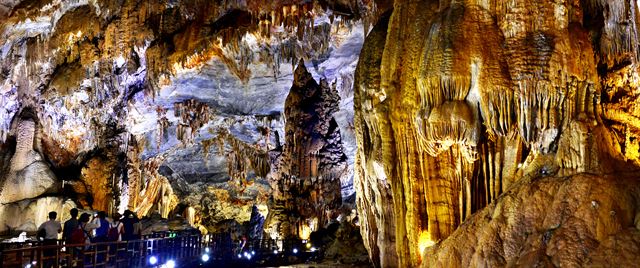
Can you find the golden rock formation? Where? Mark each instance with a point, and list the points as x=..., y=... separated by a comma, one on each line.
x=98, y=181
x=574, y=221
x=456, y=101
x=148, y=191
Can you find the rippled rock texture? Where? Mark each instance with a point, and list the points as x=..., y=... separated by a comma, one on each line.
x=28, y=175
x=556, y=221
x=458, y=101
x=28, y=187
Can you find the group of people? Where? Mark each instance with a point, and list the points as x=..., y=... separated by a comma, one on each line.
x=85, y=230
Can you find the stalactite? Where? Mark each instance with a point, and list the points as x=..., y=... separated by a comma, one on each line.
x=243, y=158
x=192, y=115
x=163, y=124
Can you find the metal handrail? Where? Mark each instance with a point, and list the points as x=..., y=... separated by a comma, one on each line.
x=103, y=254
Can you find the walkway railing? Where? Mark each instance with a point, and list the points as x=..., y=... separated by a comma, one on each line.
x=133, y=253
x=165, y=246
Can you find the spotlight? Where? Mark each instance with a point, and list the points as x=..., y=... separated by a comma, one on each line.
x=205, y=257
x=253, y=252
x=207, y=250
x=295, y=250
x=239, y=256
x=304, y=241
x=171, y=264
x=308, y=245
x=275, y=252
x=153, y=260
x=313, y=249
x=27, y=266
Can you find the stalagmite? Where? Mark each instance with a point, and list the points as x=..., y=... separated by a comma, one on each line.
x=28, y=176
x=307, y=172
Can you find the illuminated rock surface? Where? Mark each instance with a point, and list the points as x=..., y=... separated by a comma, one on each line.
x=577, y=220
x=309, y=168
x=173, y=108
x=469, y=133
x=458, y=102
x=28, y=175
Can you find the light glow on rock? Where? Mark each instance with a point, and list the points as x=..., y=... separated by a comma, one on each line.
x=425, y=241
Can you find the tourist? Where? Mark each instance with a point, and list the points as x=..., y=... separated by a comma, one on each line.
x=70, y=225
x=87, y=227
x=116, y=228
x=51, y=227
x=102, y=227
x=50, y=230
x=137, y=227
x=131, y=225
x=127, y=223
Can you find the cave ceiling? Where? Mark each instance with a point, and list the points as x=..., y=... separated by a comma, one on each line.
x=97, y=69
x=175, y=102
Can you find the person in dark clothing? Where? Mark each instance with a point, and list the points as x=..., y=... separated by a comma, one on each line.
x=103, y=229
x=128, y=223
x=70, y=225
x=101, y=233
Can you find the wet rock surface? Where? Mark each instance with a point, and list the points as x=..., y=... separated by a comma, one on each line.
x=456, y=102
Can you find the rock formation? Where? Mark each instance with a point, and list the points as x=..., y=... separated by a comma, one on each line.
x=29, y=189
x=161, y=106
x=28, y=176
x=550, y=221
x=309, y=167
x=489, y=133
x=27, y=215
x=458, y=101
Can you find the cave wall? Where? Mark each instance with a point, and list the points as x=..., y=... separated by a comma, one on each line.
x=456, y=101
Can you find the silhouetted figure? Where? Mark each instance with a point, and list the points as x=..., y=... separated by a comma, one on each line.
x=50, y=229
x=70, y=225
x=101, y=231
x=86, y=227
x=131, y=225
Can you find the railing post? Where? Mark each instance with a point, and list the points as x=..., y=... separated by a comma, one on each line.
x=39, y=257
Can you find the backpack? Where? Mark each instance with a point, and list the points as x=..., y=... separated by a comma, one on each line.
x=113, y=234
x=78, y=236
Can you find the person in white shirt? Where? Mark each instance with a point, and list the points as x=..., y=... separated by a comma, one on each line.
x=51, y=229
x=87, y=226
